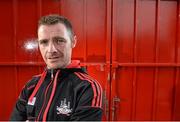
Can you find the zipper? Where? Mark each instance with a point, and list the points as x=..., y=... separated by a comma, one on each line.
x=45, y=95
x=51, y=96
x=52, y=75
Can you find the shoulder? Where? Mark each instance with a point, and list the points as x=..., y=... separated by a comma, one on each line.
x=29, y=87
x=91, y=88
x=86, y=79
x=31, y=84
x=33, y=80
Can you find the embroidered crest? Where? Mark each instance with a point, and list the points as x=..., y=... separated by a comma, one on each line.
x=64, y=108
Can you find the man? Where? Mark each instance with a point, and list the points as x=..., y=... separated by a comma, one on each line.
x=64, y=91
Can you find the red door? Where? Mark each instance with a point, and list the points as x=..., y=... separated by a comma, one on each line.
x=145, y=56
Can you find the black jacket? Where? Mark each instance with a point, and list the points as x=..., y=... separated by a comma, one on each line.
x=61, y=94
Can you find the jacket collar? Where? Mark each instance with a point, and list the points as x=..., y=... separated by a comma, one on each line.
x=75, y=64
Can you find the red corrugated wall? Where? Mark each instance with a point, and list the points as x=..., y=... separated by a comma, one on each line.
x=130, y=46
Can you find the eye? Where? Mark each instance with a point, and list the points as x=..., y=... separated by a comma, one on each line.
x=59, y=40
x=43, y=42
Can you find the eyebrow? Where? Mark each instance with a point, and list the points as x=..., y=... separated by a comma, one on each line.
x=58, y=37
x=41, y=40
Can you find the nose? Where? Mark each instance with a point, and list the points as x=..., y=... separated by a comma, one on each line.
x=52, y=48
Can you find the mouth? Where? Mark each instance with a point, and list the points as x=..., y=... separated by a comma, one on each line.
x=53, y=59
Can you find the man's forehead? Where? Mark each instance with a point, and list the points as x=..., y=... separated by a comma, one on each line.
x=52, y=30
x=54, y=27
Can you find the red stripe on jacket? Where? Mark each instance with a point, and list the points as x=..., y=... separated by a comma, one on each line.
x=51, y=97
x=97, y=93
x=100, y=88
x=38, y=85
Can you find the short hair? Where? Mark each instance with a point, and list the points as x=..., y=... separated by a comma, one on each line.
x=53, y=19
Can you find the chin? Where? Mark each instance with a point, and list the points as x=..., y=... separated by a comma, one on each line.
x=55, y=66
x=52, y=66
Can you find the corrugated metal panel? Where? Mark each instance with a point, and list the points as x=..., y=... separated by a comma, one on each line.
x=145, y=50
x=7, y=91
x=89, y=30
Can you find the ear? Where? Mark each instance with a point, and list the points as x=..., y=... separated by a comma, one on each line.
x=74, y=41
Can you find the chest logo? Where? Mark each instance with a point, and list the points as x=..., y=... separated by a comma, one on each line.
x=64, y=108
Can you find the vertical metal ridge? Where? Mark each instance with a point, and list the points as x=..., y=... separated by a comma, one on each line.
x=107, y=33
x=173, y=115
x=85, y=29
x=177, y=33
x=135, y=32
x=109, y=27
x=39, y=13
x=60, y=8
x=61, y=3
x=39, y=5
x=15, y=43
x=112, y=70
x=156, y=60
x=109, y=11
x=134, y=82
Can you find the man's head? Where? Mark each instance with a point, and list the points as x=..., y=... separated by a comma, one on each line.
x=56, y=40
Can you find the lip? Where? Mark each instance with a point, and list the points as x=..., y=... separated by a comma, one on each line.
x=53, y=59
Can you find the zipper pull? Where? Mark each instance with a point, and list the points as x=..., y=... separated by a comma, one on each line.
x=52, y=76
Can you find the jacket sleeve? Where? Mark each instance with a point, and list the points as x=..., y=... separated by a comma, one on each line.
x=19, y=111
x=89, y=104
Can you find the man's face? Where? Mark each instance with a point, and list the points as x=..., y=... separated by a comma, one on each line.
x=55, y=45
